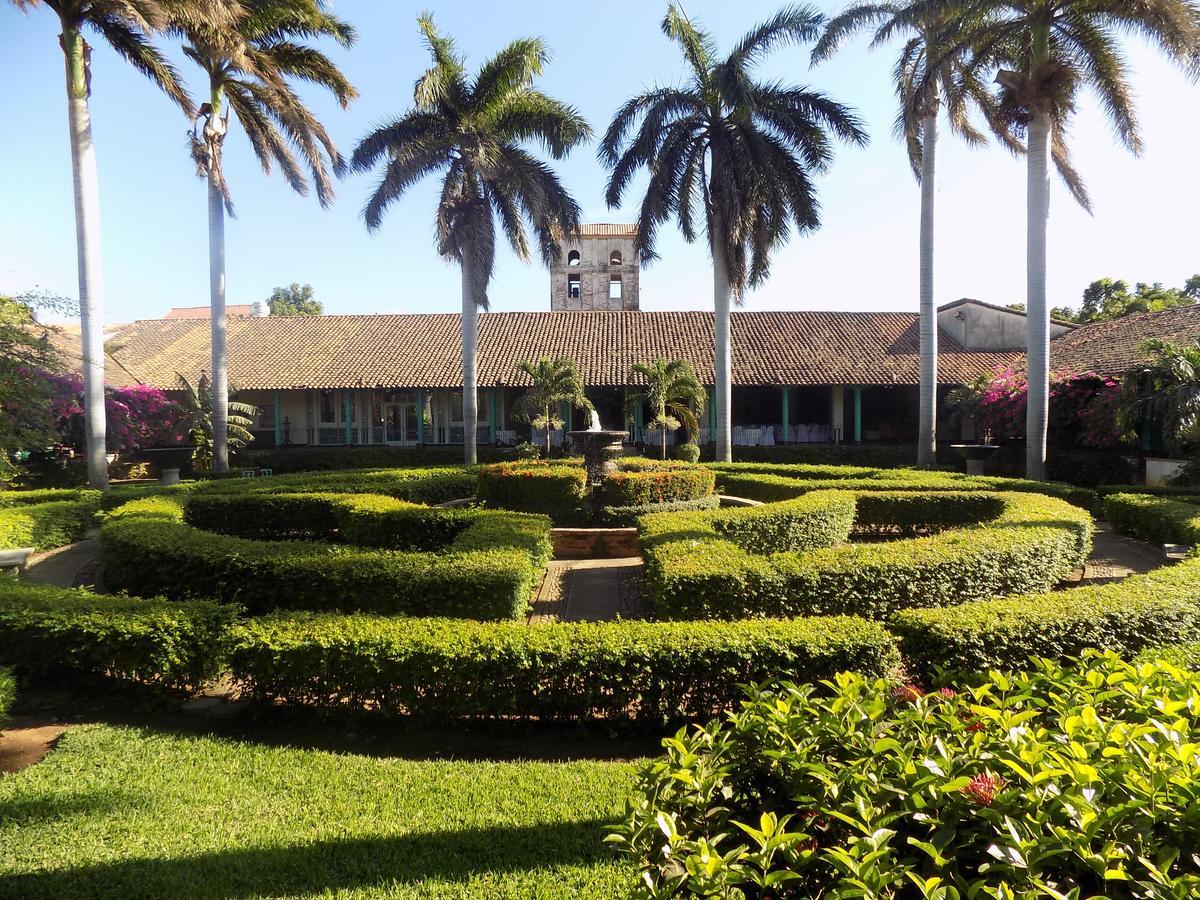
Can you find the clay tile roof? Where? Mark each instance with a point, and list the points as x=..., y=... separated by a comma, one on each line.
x=607, y=230
x=203, y=312
x=1114, y=347
x=769, y=348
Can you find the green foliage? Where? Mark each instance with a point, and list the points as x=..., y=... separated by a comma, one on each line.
x=51, y=631
x=448, y=670
x=1023, y=543
x=26, y=352
x=488, y=569
x=627, y=516
x=8, y=693
x=1165, y=391
x=674, y=394
x=1139, y=611
x=1159, y=520
x=552, y=383
x=882, y=456
x=687, y=452
x=1106, y=299
x=554, y=489
x=640, y=482
x=424, y=485
x=295, y=300
x=287, y=460
x=45, y=495
x=45, y=526
x=1185, y=656
x=1076, y=781
x=197, y=405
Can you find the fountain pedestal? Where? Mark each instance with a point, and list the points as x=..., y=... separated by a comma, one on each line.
x=600, y=449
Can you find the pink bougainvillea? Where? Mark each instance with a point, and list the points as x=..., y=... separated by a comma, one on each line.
x=1083, y=407
x=137, y=416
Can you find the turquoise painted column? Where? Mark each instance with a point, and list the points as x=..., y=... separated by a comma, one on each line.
x=857, y=415
x=349, y=421
x=492, y=414
x=421, y=417
x=278, y=418
x=784, y=418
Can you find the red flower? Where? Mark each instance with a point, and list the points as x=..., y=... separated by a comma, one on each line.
x=907, y=693
x=983, y=788
x=948, y=693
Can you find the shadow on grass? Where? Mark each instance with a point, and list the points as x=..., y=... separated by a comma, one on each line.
x=53, y=807
x=326, y=866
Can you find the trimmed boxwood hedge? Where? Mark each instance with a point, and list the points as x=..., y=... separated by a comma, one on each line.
x=1160, y=607
x=45, y=526
x=46, y=495
x=640, y=482
x=1158, y=519
x=488, y=570
x=628, y=516
x=52, y=631
x=557, y=489
x=1031, y=544
x=441, y=669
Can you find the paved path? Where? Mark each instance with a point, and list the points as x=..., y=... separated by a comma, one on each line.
x=590, y=590
x=1115, y=556
x=75, y=565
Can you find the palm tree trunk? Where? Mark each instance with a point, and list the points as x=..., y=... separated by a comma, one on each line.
x=1037, y=315
x=547, y=432
x=470, y=336
x=216, y=291
x=663, y=442
x=87, y=243
x=927, y=422
x=723, y=349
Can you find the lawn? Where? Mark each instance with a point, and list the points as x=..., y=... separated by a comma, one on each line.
x=126, y=812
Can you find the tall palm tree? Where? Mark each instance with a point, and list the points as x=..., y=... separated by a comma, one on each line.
x=731, y=156
x=1044, y=54
x=251, y=71
x=126, y=26
x=552, y=383
x=474, y=130
x=674, y=394
x=931, y=74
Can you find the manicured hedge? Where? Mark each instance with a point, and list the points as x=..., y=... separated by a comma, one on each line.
x=640, y=482
x=883, y=456
x=45, y=526
x=443, y=669
x=8, y=693
x=45, y=495
x=1160, y=607
x=1184, y=656
x=1158, y=519
x=50, y=631
x=489, y=570
x=627, y=516
x=1031, y=545
x=286, y=460
x=554, y=489
x=434, y=485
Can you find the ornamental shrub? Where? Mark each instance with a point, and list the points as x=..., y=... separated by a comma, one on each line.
x=45, y=526
x=1160, y=520
x=8, y=693
x=687, y=452
x=45, y=495
x=1067, y=781
x=443, y=669
x=555, y=489
x=1139, y=611
x=639, y=482
x=52, y=631
x=628, y=516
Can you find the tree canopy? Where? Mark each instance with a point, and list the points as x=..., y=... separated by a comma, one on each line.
x=26, y=350
x=294, y=300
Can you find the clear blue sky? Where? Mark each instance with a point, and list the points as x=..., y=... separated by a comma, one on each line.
x=864, y=257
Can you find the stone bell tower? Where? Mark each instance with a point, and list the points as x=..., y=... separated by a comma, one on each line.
x=599, y=271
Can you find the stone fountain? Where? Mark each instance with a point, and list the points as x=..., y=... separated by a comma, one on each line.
x=600, y=448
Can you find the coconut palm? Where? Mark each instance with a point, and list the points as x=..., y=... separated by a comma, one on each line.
x=127, y=27
x=729, y=156
x=474, y=132
x=1044, y=54
x=1164, y=392
x=931, y=75
x=252, y=70
x=674, y=394
x=552, y=383
x=201, y=422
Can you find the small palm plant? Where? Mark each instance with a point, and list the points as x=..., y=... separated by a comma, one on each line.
x=553, y=383
x=475, y=132
x=199, y=422
x=1164, y=391
x=731, y=157
x=674, y=394
x=252, y=69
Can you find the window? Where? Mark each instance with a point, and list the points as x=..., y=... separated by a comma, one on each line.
x=573, y=286
x=614, y=287
x=573, y=258
x=614, y=259
x=329, y=407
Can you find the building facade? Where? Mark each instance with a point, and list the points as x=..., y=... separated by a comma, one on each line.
x=597, y=271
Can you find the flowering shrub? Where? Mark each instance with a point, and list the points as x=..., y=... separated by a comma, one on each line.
x=136, y=417
x=1068, y=781
x=1083, y=407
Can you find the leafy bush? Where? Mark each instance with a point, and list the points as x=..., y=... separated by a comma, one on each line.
x=1185, y=656
x=640, y=482
x=626, y=516
x=1160, y=607
x=53, y=631
x=555, y=489
x=1032, y=544
x=1064, y=782
x=286, y=460
x=487, y=570
x=443, y=669
x=1160, y=520
x=45, y=495
x=45, y=526
x=415, y=485
x=8, y=693
x=882, y=456
x=687, y=452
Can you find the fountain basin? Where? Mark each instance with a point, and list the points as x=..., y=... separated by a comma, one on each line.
x=975, y=455
x=600, y=450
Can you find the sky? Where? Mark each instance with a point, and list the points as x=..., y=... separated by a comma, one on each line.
x=864, y=257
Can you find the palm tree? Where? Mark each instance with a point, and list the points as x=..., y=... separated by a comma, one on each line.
x=251, y=71
x=731, y=156
x=674, y=393
x=201, y=422
x=474, y=130
x=126, y=26
x=923, y=91
x=1044, y=53
x=552, y=383
x=1164, y=392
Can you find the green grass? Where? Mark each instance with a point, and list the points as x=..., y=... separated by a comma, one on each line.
x=124, y=812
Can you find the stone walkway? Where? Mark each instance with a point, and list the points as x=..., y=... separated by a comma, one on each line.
x=1115, y=556
x=590, y=590
x=75, y=565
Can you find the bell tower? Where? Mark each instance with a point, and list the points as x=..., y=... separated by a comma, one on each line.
x=597, y=271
